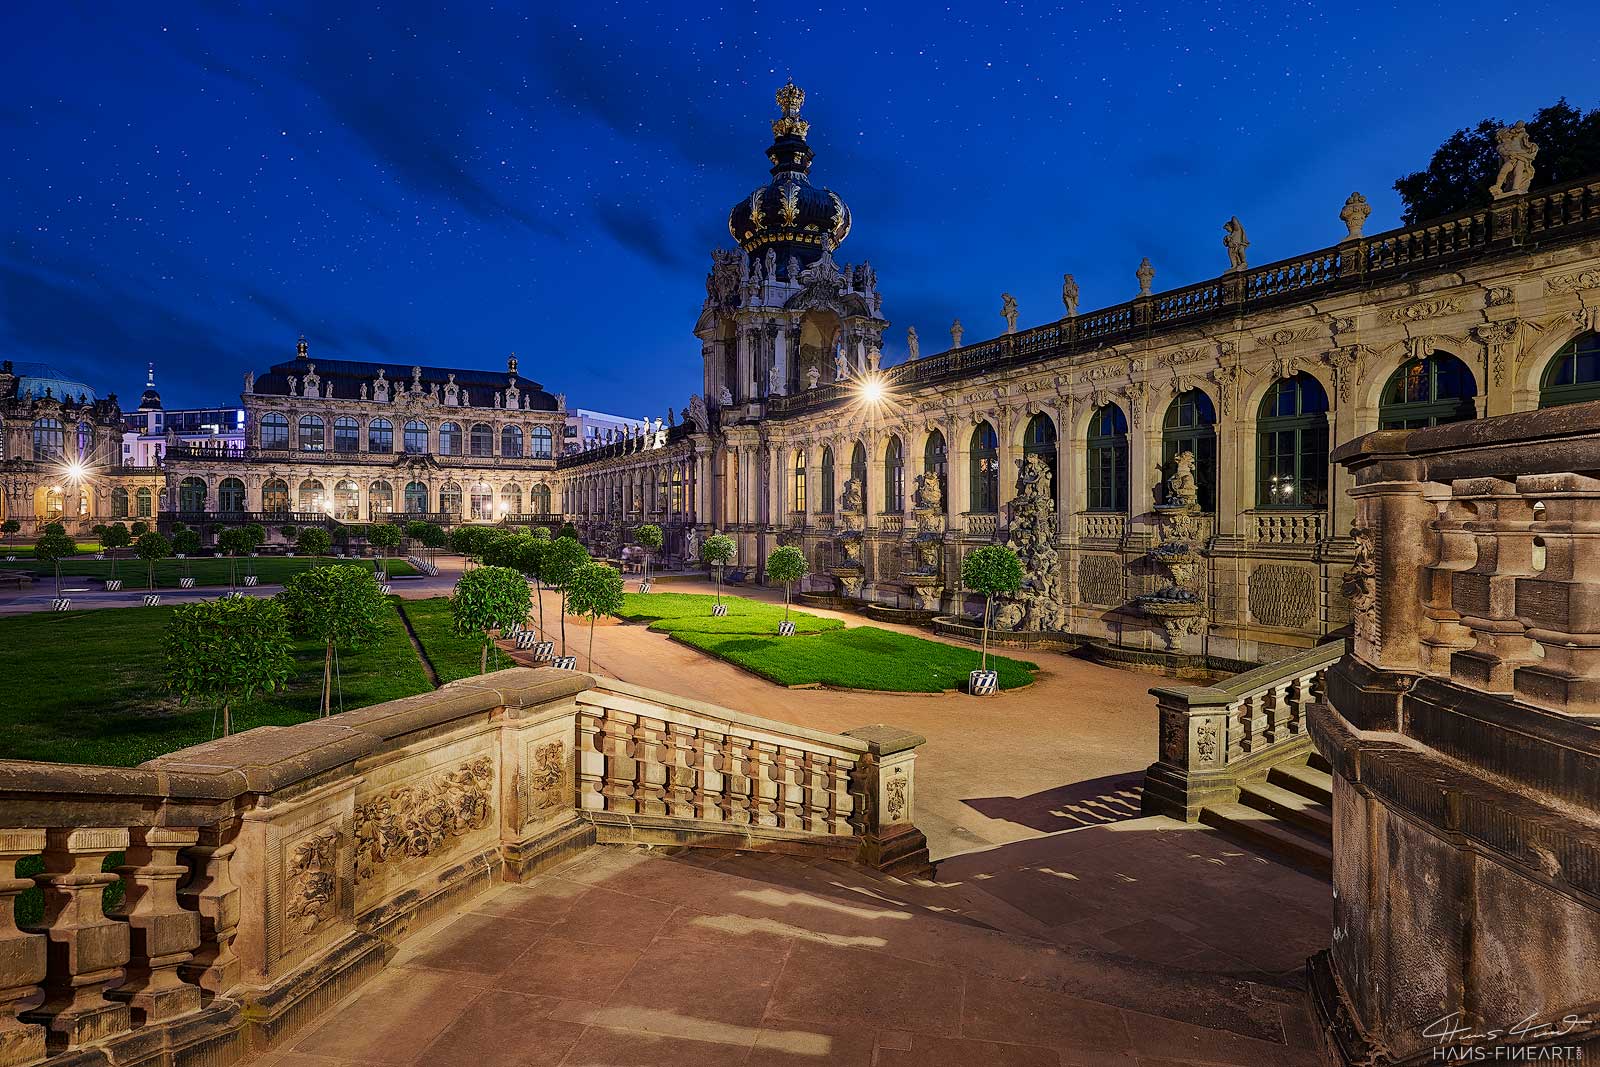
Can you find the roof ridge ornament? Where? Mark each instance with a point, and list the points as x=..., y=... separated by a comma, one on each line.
x=790, y=99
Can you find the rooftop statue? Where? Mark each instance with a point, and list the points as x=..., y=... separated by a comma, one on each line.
x=1069, y=295
x=1235, y=241
x=1146, y=274
x=956, y=330
x=1516, y=150
x=1356, y=210
x=912, y=344
x=1008, y=311
x=813, y=376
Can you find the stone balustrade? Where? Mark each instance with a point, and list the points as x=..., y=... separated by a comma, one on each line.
x=1463, y=735
x=265, y=875
x=1213, y=738
x=891, y=523
x=1285, y=527
x=1102, y=525
x=981, y=524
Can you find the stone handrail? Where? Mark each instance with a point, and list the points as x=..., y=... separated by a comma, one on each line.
x=267, y=874
x=1274, y=527
x=1102, y=525
x=981, y=524
x=1508, y=225
x=1213, y=738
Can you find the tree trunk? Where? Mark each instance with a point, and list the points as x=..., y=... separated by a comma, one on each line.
x=786, y=587
x=227, y=719
x=327, y=678
x=563, y=622
x=58, y=579
x=983, y=657
x=150, y=575
x=483, y=659
x=538, y=588
x=591, y=644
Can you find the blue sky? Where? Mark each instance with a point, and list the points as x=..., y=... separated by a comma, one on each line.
x=198, y=184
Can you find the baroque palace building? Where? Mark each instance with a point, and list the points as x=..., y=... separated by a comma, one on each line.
x=1161, y=465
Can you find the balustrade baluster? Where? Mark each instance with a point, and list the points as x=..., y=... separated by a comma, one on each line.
x=86, y=951
x=591, y=762
x=791, y=786
x=22, y=954
x=682, y=781
x=711, y=799
x=764, y=785
x=162, y=935
x=738, y=788
x=622, y=769
x=211, y=892
x=650, y=754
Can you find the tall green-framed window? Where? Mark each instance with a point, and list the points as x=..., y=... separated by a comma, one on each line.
x=1573, y=374
x=828, y=495
x=935, y=461
x=1292, y=445
x=1425, y=392
x=1039, y=439
x=983, y=461
x=1106, y=459
x=1191, y=426
x=799, y=502
x=894, y=477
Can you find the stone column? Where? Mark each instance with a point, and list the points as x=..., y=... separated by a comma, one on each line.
x=884, y=789
x=1005, y=424
x=746, y=358
x=22, y=954
x=163, y=935
x=86, y=950
x=958, y=463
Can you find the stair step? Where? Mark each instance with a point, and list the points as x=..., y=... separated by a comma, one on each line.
x=1320, y=762
x=1294, y=808
x=1258, y=827
x=1305, y=780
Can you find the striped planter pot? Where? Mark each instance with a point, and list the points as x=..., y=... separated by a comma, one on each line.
x=983, y=683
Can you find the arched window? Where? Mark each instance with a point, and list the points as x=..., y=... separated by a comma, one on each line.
x=144, y=502
x=1191, y=426
x=482, y=500
x=346, y=501
x=935, y=460
x=541, y=499
x=1106, y=457
x=310, y=497
x=894, y=477
x=449, y=439
x=311, y=433
x=380, y=436
x=274, y=495
x=416, y=437
x=380, y=499
x=661, y=490
x=48, y=439
x=511, y=441
x=450, y=500
x=1425, y=392
x=346, y=434
x=511, y=500
x=481, y=439
x=827, y=481
x=677, y=490
x=230, y=496
x=1039, y=439
x=54, y=503
x=85, y=441
x=192, y=495
x=1292, y=445
x=798, y=501
x=541, y=442
x=983, y=454
x=1573, y=374
x=119, y=502
x=274, y=430
x=858, y=470
x=416, y=498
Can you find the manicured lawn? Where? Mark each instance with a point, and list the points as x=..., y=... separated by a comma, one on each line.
x=207, y=570
x=452, y=655
x=861, y=657
x=87, y=687
x=671, y=613
x=24, y=549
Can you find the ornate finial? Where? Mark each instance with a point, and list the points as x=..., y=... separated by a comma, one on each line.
x=150, y=377
x=790, y=99
x=301, y=347
x=511, y=363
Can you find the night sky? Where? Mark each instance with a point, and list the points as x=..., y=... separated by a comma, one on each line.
x=199, y=186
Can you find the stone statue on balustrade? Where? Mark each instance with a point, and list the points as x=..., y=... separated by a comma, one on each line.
x=1235, y=241
x=1008, y=311
x=841, y=366
x=1146, y=275
x=1069, y=295
x=1032, y=536
x=813, y=377
x=956, y=330
x=1516, y=150
x=1354, y=215
x=912, y=344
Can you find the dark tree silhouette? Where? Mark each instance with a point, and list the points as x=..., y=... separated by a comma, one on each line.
x=1458, y=176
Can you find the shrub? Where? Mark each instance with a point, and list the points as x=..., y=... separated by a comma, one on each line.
x=340, y=606
x=485, y=599
x=717, y=551
x=594, y=589
x=313, y=542
x=226, y=650
x=787, y=564
x=152, y=547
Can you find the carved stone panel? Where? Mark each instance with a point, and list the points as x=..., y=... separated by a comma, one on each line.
x=421, y=818
x=311, y=886
x=1100, y=579
x=1283, y=595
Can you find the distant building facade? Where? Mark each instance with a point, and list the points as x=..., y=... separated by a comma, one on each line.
x=588, y=429
x=148, y=431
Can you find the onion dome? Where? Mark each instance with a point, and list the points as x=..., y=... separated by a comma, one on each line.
x=151, y=400
x=789, y=214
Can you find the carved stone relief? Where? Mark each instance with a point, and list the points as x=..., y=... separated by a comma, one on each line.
x=414, y=821
x=1282, y=595
x=311, y=881
x=1100, y=579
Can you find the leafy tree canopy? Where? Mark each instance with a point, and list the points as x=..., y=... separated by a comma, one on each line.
x=563, y=557
x=339, y=605
x=1457, y=177
x=787, y=564
x=991, y=570
x=383, y=535
x=185, y=541
x=152, y=546
x=117, y=536
x=53, y=547
x=595, y=589
x=717, y=549
x=235, y=541
x=226, y=650
x=313, y=542
x=488, y=598
x=649, y=536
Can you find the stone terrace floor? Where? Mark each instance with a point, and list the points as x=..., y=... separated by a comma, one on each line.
x=631, y=957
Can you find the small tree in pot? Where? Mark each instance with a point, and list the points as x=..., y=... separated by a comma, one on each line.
x=717, y=552
x=650, y=539
x=786, y=565
x=594, y=590
x=485, y=599
x=115, y=537
x=991, y=570
x=563, y=557
x=339, y=606
x=152, y=547
x=226, y=650
x=313, y=542
x=52, y=547
x=384, y=536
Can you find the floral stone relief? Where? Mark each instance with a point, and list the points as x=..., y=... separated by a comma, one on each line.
x=413, y=821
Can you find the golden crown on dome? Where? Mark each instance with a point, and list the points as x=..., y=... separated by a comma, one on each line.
x=790, y=99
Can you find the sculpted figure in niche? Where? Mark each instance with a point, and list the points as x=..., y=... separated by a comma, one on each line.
x=928, y=496
x=1355, y=212
x=1069, y=295
x=912, y=345
x=772, y=265
x=1234, y=240
x=726, y=398
x=1008, y=311
x=853, y=500
x=1182, y=489
x=1516, y=150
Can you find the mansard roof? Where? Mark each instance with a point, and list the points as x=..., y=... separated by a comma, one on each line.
x=347, y=376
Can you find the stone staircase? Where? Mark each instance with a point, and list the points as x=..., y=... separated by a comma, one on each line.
x=1289, y=812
